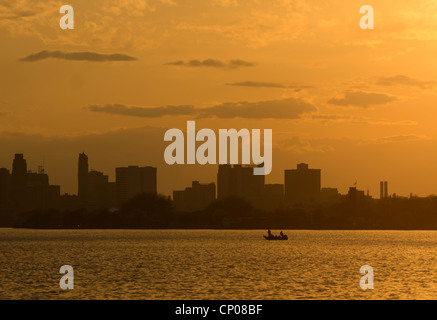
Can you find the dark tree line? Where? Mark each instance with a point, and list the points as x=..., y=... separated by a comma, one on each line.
x=149, y=211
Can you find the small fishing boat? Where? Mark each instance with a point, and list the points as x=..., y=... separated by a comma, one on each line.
x=272, y=237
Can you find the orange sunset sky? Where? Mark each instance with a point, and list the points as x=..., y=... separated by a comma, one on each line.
x=359, y=104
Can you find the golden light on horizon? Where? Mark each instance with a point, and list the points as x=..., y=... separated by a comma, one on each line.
x=370, y=92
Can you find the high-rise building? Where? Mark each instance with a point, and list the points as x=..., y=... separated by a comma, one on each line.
x=383, y=190
x=329, y=195
x=94, y=188
x=98, y=189
x=238, y=180
x=40, y=194
x=83, y=178
x=224, y=189
x=197, y=197
x=302, y=185
x=19, y=180
x=134, y=180
x=112, y=191
x=355, y=195
x=37, y=179
x=5, y=186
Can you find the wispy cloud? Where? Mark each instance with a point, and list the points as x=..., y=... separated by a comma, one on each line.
x=405, y=81
x=226, y=3
x=330, y=118
x=390, y=57
x=13, y=10
x=212, y=63
x=289, y=108
x=256, y=84
x=260, y=23
x=113, y=25
x=260, y=84
x=240, y=63
x=300, y=146
x=361, y=99
x=77, y=56
x=143, y=112
x=399, y=138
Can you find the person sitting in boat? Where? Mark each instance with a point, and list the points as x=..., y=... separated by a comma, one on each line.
x=269, y=233
x=281, y=234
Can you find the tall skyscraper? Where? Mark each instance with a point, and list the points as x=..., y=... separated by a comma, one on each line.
x=238, y=180
x=19, y=179
x=134, y=180
x=98, y=189
x=83, y=177
x=302, y=185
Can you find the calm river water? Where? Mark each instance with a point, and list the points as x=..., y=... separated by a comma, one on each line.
x=206, y=264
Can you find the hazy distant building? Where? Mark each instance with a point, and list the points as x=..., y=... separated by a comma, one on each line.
x=355, y=194
x=302, y=185
x=381, y=190
x=224, y=181
x=37, y=179
x=40, y=194
x=97, y=189
x=94, y=188
x=178, y=197
x=70, y=202
x=383, y=193
x=238, y=180
x=19, y=179
x=197, y=197
x=112, y=191
x=330, y=195
x=5, y=186
x=134, y=180
x=82, y=174
x=27, y=190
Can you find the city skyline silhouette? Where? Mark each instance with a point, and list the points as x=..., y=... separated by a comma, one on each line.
x=130, y=132
x=238, y=199
x=301, y=185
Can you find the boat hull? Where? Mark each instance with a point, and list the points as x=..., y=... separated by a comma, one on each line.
x=276, y=238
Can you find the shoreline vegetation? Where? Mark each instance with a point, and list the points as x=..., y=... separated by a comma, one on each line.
x=149, y=211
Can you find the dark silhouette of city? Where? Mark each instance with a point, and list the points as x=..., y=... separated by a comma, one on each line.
x=239, y=200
